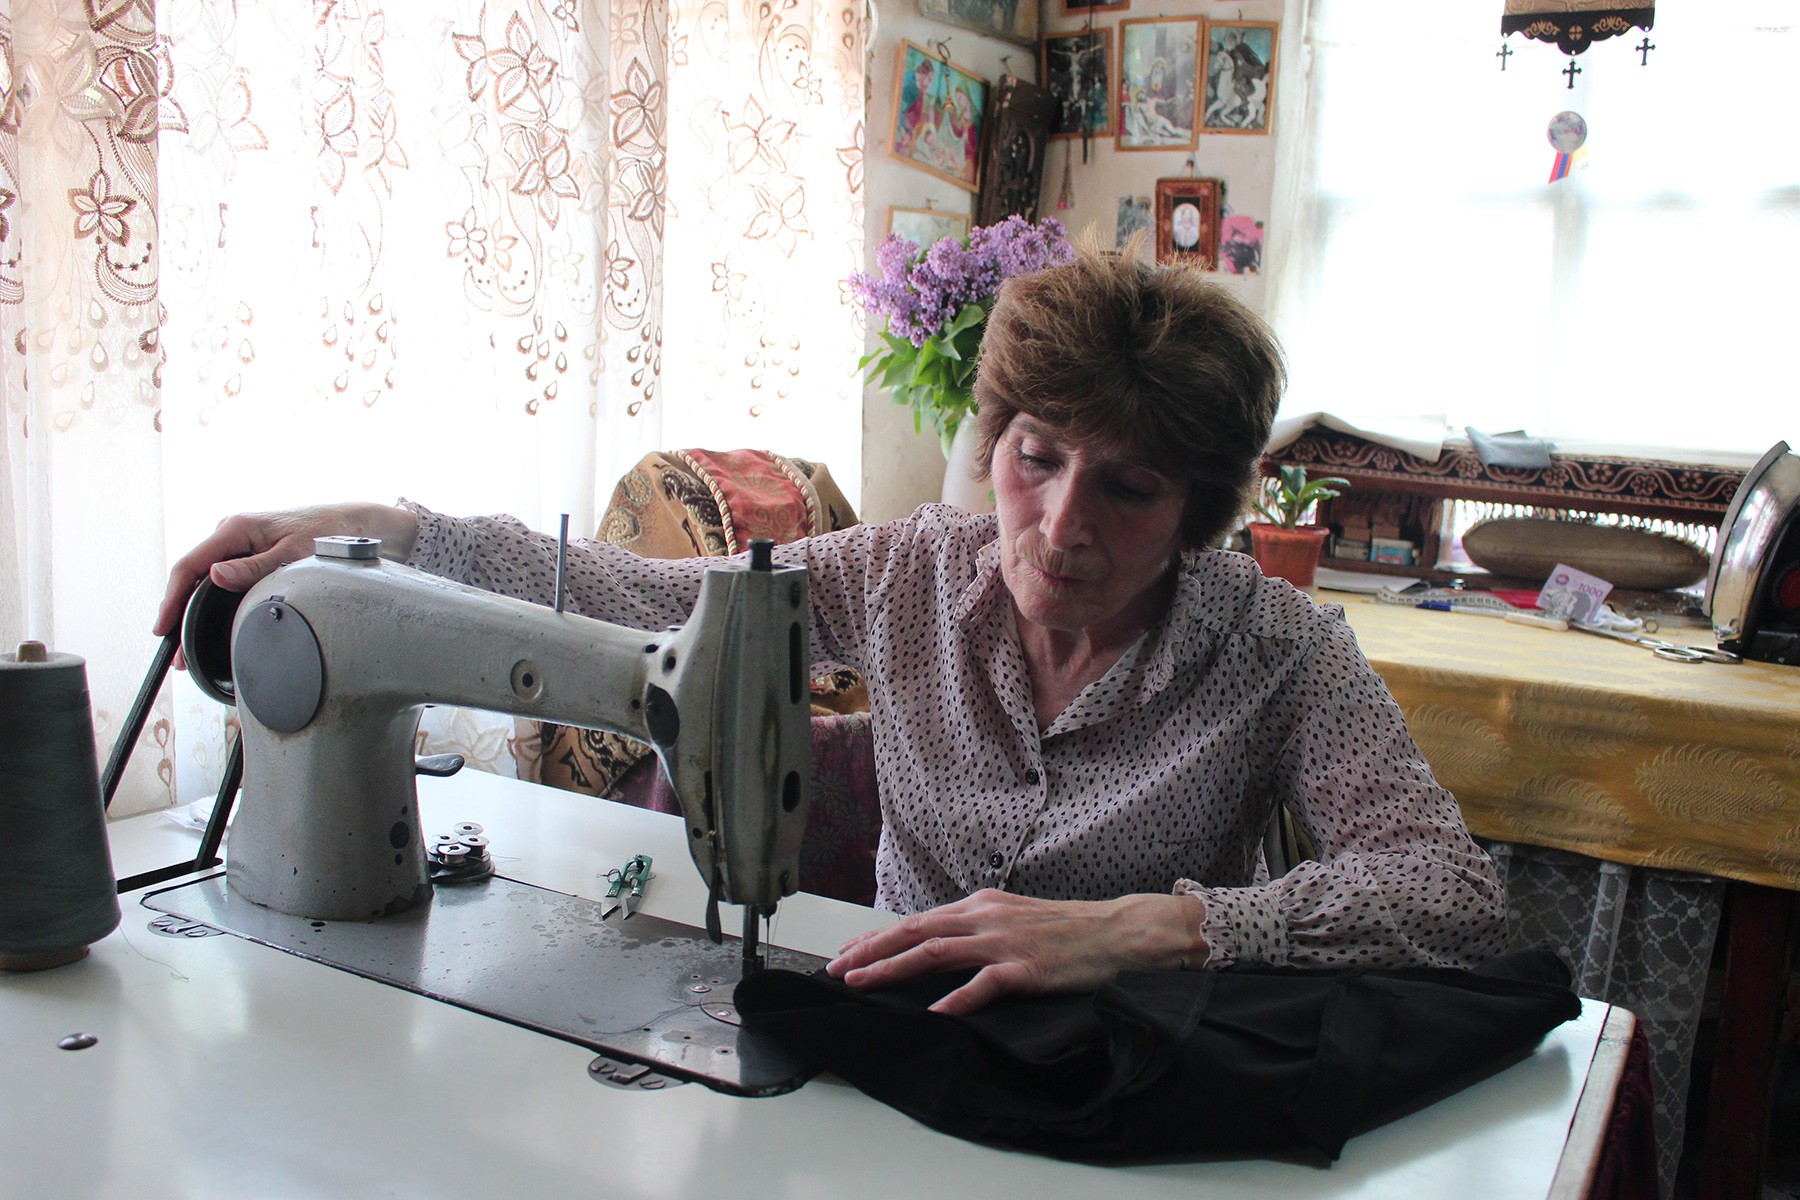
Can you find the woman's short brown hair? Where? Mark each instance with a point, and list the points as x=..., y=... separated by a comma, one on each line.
x=1158, y=358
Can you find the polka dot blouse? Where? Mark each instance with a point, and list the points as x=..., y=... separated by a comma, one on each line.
x=1162, y=775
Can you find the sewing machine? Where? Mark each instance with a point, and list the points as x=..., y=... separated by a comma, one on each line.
x=332, y=661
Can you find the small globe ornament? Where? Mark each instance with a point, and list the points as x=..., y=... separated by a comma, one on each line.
x=1567, y=132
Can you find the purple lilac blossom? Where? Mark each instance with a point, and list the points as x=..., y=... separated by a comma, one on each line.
x=919, y=292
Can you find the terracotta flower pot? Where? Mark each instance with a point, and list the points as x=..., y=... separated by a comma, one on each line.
x=1292, y=554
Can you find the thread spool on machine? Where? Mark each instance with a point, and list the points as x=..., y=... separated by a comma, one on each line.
x=61, y=895
x=56, y=876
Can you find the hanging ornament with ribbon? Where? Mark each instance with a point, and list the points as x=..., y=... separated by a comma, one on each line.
x=1568, y=134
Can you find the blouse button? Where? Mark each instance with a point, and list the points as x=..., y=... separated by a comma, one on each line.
x=1031, y=776
x=996, y=860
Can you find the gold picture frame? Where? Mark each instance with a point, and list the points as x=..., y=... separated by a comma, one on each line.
x=925, y=227
x=1239, y=77
x=940, y=112
x=1158, y=90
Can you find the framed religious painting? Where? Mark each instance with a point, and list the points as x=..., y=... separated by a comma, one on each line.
x=1187, y=221
x=1158, y=73
x=1012, y=20
x=925, y=227
x=939, y=109
x=1077, y=68
x=1088, y=10
x=1240, y=77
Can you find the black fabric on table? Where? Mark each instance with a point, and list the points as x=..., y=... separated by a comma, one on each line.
x=1243, y=1061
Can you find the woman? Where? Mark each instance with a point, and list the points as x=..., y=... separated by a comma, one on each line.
x=1083, y=718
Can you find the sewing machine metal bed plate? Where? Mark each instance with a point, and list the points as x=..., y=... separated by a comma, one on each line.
x=649, y=991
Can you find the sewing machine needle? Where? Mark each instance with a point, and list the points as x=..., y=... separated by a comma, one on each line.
x=562, y=561
x=753, y=960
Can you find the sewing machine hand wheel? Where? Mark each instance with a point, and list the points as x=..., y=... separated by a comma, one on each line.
x=206, y=639
x=206, y=642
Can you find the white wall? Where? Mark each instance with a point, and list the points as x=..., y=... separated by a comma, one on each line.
x=902, y=470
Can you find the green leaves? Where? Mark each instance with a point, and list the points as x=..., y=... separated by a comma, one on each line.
x=1288, y=495
x=937, y=379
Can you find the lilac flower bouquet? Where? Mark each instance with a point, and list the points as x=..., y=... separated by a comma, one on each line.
x=936, y=302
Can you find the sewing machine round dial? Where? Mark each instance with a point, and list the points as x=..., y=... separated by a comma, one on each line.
x=279, y=669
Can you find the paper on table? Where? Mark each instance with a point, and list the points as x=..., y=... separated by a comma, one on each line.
x=190, y=816
x=1573, y=595
x=1361, y=581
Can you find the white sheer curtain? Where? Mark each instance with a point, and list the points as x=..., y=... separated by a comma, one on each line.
x=260, y=253
x=1428, y=266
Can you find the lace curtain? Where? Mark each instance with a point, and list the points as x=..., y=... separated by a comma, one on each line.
x=258, y=254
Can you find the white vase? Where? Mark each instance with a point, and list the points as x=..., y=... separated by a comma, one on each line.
x=961, y=488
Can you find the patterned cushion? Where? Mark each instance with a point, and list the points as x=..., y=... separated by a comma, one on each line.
x=705, y=503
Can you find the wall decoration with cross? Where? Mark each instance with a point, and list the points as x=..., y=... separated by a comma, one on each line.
x=1574, y=25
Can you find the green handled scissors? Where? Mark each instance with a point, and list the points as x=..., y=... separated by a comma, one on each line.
x=626, y=887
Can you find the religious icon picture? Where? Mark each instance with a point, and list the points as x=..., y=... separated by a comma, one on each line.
x=1240, y=77
x=1084, y=10
x=938, y=113
x=1077, y=68
x=1157, y=102
x=1240, y=245
x=926, y=227
x=1187, y=221
x=1134, y=218
x=1014, y=20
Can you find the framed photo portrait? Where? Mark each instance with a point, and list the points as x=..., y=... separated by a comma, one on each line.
x=1240, y=77
x=1187, y=221
x=938, y=113
x=926, y=226
x=1077, y=68
x=1158, y=101
x=1013, y=20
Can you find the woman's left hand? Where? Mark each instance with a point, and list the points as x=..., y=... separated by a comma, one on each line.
x=1020, y=944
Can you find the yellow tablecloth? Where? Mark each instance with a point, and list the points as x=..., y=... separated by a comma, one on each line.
x=1566, y=740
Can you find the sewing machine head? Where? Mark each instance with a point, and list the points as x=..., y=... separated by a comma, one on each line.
x=334, y=658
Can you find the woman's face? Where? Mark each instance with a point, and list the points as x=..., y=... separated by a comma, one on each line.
x=1087, y=532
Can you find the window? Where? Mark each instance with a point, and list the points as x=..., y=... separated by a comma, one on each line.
x=1643, y=303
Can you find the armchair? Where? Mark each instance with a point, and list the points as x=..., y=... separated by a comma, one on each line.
x=711, y=503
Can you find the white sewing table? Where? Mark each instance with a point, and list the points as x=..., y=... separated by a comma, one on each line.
x=227, y=1068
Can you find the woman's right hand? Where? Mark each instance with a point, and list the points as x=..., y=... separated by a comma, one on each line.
x=248, y=546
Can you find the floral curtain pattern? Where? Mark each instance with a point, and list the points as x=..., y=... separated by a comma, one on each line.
x=737, y=147
x=81, y=116
x=257, y=254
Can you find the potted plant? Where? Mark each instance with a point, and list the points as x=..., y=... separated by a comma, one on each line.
x=1280, y=544
x=936, y=301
